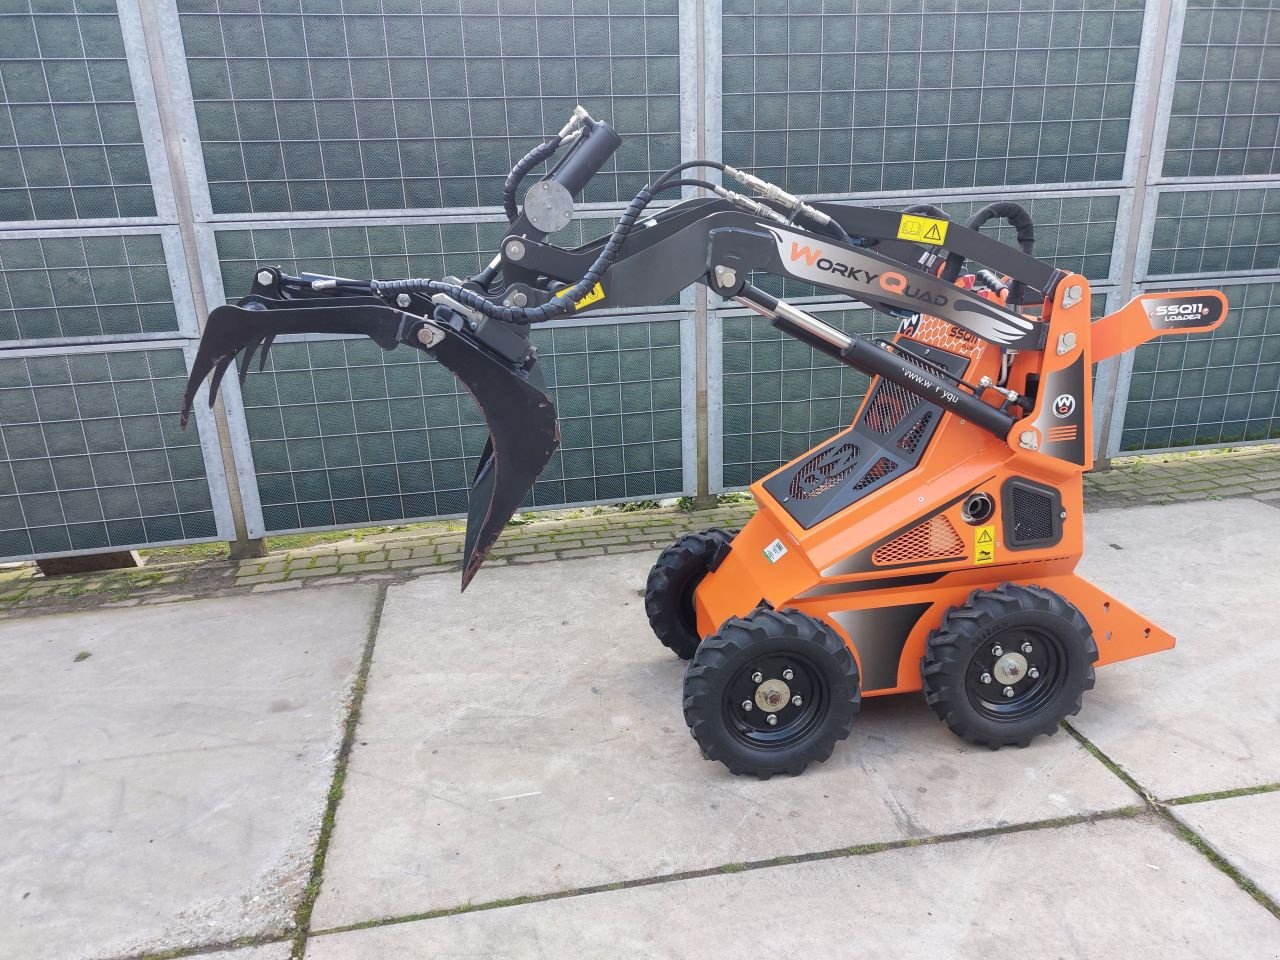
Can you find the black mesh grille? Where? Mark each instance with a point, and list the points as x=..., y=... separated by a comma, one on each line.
x=1032, y=515
x=911, y=439
x=881, y=468
x=889, y=405
x=824, y=471
x=892, y=403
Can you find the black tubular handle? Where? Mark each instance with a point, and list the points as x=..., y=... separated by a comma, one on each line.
x=1017, y=217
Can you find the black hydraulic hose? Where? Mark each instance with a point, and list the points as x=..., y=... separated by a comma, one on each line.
x=526, y=163
x=687, y=165
x=683, y=182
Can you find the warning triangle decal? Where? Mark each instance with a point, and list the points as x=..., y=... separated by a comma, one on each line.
x=984, y=535
x=933, y=234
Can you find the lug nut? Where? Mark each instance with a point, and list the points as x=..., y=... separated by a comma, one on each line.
x=796, y=701
x=1008, y=691
x=986, y=678
x=264, y=278
x=773, y=720
x=757, y=677
x=787, y=674
x=746, y=704
x=997, y=651
x=1033, y=673
x=1026, y=646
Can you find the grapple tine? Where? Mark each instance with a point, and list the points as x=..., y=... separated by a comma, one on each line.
x=267, y=341
x=247, y=361
x=215, y=380
x=253, y=325
x=523, y=434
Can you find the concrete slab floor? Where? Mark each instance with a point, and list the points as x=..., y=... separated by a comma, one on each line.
x=1204, y=716
x=1120, y=888
x=166, y=789
x=1244, y=831
x=527, y=738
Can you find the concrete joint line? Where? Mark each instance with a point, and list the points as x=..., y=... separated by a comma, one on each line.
x=206, y=949
x=839, y=853
x=302, y=917
x=1161, y=808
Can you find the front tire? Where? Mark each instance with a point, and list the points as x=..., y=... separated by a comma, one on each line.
x=668, y=593
x=779, y=664
x=1008, y=665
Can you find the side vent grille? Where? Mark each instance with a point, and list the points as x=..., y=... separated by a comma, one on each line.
x=881, y=468
x=911, y=439
x=889, y=405
x=1032, y=514
x=824, y=471
x=935, y=539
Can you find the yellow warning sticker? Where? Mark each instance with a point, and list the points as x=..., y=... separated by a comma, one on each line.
x=594, y=295
x=984, y=544
x=922, y=229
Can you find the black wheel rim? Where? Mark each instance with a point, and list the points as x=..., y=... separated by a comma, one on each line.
x=1015, y=673
x=774, y=694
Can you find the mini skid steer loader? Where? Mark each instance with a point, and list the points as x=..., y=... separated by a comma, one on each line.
x=929, y=546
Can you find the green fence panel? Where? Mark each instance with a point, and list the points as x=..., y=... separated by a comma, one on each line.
x=1214, y=388
x=1226, y=101
x=92, y=456
x=408, y=106
x=70, y=141
x=1215, y=232
x=902, y=96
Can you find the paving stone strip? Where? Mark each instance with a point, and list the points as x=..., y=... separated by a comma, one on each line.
x=1249, y=471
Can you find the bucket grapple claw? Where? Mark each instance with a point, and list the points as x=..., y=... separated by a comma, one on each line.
x=505, y=383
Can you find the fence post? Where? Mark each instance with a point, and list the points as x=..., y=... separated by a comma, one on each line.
x=150, y=23
x=705, y=17
x=1153, y=68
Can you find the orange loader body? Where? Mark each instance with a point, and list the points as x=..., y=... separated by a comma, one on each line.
x=884, y=570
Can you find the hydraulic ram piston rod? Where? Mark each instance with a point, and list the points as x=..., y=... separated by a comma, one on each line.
x=869, y=358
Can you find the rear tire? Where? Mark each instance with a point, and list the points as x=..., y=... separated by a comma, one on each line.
x=668, y=594
x=773, y=663
x=1008, y=665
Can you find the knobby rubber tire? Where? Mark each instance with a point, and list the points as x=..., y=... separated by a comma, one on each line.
x=966, y=629
x=742, y=641
x=668, y=593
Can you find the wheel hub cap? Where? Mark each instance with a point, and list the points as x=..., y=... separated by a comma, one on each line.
x=772, y=695
x=1010, y=668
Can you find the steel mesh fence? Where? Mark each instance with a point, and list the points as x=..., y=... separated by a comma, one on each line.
x=370, y=138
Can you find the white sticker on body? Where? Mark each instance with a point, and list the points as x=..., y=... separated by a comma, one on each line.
x=775, y=551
